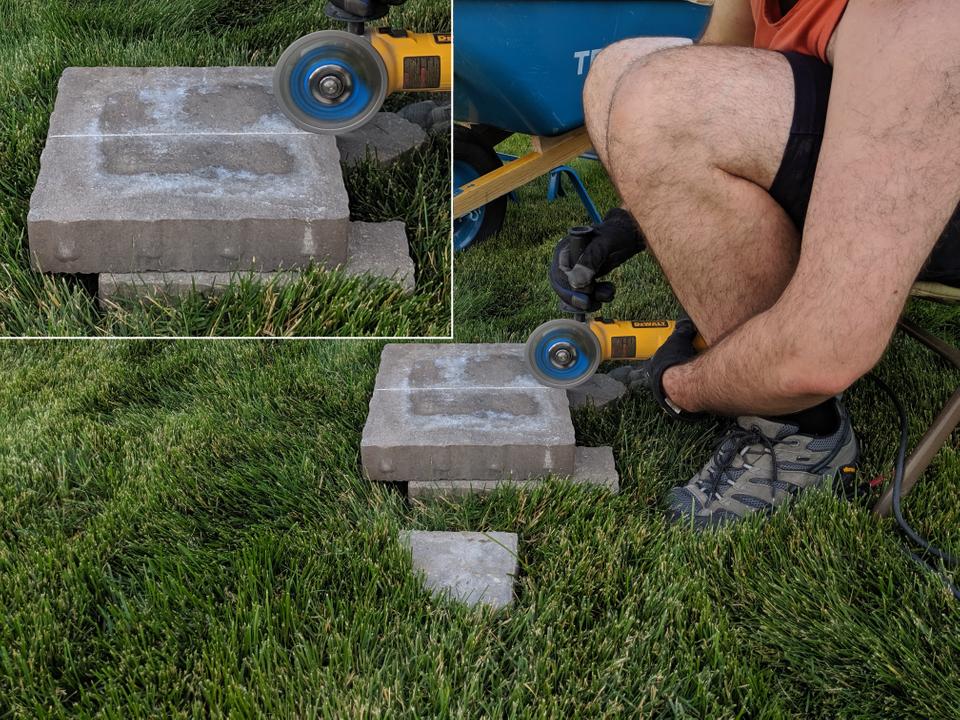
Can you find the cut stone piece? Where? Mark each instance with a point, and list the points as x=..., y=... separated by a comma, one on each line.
x=387, y=136
x=182, y=169
x=600, y=390
x=463, y=412
x=381, y=250
x=376, y=249
x=432, y=116
x=175, y=286
x=594, y=466
x=469, y=567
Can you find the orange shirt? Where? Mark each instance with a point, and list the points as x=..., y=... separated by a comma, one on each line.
x=806, y=28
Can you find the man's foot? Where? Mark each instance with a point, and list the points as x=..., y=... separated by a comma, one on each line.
x=760, y=464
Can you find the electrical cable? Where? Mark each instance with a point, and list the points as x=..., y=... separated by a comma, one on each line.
x=948, y=560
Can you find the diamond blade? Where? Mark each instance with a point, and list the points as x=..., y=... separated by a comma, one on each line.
x=563, y=353
x=330, y=82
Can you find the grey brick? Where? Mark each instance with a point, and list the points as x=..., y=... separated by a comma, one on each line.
x=469, y=567
x=593, y=466
x=596, y=466
x=182, y=169
x=378, y=249
x=386, y=137
x=381, y=250
x=599, y=391
x=173, y=287
x=463, y=412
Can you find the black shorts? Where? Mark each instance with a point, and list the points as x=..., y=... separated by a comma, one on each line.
x=791, y=187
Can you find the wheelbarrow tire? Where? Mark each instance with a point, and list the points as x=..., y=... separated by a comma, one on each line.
x=472, y=158
x=489, y=135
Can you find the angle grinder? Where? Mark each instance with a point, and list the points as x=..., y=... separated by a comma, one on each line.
x=334, y=81
x=564, y=353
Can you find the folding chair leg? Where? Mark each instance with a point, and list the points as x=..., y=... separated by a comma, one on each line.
x=938, y=433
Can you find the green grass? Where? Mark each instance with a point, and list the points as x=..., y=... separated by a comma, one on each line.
x=185, y=531
x=40, y=38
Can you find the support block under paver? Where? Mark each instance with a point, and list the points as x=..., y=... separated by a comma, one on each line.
x=463, y=412
x=594, y=466
x=470, y=567
x=599, y=391
x=377, y=249
x=386, y=137
x=182, y=169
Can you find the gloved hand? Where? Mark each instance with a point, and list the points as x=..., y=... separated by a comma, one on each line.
x=371, y=9
x=601, y=249
x=677, y=350
x=587, y=300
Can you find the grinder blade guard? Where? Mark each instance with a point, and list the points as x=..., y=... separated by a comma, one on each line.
x=563, y=353
x=330, y=81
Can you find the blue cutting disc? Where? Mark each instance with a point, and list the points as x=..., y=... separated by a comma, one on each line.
x=355, y=72
x=563, y=353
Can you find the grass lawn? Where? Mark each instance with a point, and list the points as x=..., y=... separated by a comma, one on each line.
x=42, y=37
x=185, y=531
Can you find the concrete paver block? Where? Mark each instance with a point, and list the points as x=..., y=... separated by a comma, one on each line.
x=463, y=412
x=431, y=115
x=596, y=466
x=175, y=286
x=593, y=466
x=377, y=249
x=470, y=567
x=381, y=250
x=387, y=136
x=600, y=390
x=182, y=169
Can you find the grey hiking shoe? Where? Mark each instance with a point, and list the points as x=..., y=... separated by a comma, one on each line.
x=758, y=465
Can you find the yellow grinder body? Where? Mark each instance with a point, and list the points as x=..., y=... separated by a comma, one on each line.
x=565, y=353
x=334, y=82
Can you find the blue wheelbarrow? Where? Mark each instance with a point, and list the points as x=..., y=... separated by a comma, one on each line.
x=519, y=68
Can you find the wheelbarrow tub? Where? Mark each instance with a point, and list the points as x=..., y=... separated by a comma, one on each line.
x=520, y=64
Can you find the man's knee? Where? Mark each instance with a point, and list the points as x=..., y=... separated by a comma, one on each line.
x=694, y=109
x=608, y=70
x=652, y=113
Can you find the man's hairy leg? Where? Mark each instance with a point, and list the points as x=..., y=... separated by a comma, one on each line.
x=887, y=181
x=606, y=70
x=694, y=139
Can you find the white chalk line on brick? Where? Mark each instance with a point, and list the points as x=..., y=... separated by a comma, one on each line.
x=467, y=389
x=186, y=134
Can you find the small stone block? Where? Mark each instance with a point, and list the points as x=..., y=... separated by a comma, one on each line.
x=182, y=169
x=386, y=137
x=377, y=249
x=599, y=391
x=469, y=567
x=463, y=412
x=458, y=489
x=175, y=286
x=381, y=250
x=594, y=466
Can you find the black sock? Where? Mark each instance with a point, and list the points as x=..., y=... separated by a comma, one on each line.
x=821, y=419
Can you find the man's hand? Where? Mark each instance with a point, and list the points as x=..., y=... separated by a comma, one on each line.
x=586, y=254
x=595, y=252
x=678, y=349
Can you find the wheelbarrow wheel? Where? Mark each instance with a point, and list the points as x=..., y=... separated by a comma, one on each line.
x=472, y=157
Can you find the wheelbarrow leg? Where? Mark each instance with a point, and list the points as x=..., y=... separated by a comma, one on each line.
x=939, y=431
x=555, y=189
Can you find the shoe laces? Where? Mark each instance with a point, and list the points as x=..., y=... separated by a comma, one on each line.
x=736, y=442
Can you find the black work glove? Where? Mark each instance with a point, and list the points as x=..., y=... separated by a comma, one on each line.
x=587, y=300
x=586, y=254
x=677, y=350
x=371, y=9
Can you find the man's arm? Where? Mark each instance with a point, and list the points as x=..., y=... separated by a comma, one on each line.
x=830, y=326
x=731, y=23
